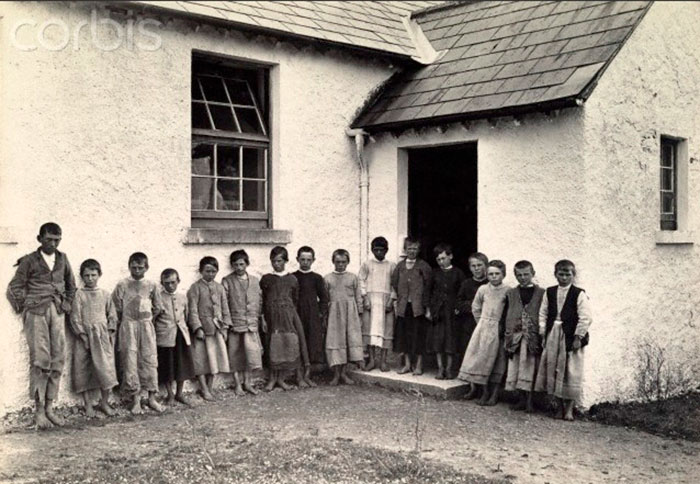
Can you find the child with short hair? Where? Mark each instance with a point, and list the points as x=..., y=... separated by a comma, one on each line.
x=209, y=321
x=42, y=291
x=565, y=316
x=245, y=305
x=378, y=303
x=465, y=297
x=485, y=362
x=284, y=331
x=312, y=307
x=173, y=339
x=93, y=321
x=410, y=281
x=137, y=302
x=522, y=339
x=344, y=338
x=442, y=332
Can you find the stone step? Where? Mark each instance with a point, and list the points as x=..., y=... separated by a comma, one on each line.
x=425, y=383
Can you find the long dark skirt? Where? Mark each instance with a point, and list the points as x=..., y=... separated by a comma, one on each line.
x=175, y=363
x=441, y=336
x=410, y=333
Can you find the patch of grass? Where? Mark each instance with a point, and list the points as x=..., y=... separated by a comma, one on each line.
x=271, y=461
x=676, y=417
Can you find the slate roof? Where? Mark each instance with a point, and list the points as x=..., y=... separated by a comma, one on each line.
x=504, y=58
x=375, y=25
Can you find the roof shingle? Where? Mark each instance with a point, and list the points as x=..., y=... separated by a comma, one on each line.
x=506, y=55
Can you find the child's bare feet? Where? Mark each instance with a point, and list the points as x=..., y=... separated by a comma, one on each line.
x=418, y=371
x=404, y=369
x=284, y=386
x=206, y=395
x=440, y=374
x=472, y=393
x=135, y=407
x=334, y=382
x=170, y=401
x=346, y=379
x=238, y=391
x=55, y=419
x=250, y=389
x=90, y=411
x=270, y=384
x=310, y=382
x=302, y=384
x=181, y=398
x=384, y=366
x=41, y=422
x=569, y=410
x=105, y=408
x=154, y=405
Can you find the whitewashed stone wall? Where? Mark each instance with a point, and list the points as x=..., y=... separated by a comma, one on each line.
x=99, y=141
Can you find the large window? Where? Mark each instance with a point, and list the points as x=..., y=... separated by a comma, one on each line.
x=230, y=144
x=669, y=184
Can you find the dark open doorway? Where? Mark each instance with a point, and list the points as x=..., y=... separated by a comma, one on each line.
x=442, y=200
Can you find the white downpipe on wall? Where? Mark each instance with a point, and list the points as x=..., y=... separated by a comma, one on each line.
x=359, y=135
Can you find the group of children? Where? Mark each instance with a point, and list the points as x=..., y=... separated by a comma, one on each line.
x=141, y=335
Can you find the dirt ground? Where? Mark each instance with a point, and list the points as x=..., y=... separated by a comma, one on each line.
x=492, y=442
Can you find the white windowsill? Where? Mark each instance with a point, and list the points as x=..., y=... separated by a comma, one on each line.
x=197, y=236
x=675, y=237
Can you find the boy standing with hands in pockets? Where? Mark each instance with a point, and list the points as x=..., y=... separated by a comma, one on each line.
x=42, y=291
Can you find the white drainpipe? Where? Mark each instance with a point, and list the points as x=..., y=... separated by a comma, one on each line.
x=359, y=135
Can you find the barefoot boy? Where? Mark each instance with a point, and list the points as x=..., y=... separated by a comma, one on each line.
x=137, y=302
x=42, y=290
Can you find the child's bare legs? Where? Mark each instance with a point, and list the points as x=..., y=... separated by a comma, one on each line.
x=283, y=384
x=42, y=422
x=490, y=396
x=336, y=375
x=135, y=407
x=474, y=391
x=307, y=377
x=419, y=365
x=238, y=389
x=448, y=367
x=441, y=368
x=153, y=403
x=301, y=382
x=87, y=404
x=371, y=364
x=170, y=398
x=406, y=364
x=383, y=365
x=247, y=384
x=210, y=383
x=179, y=397
x=204, y=388
x=568, y=409
x=104, y=403
x=271, y=381
x=344, y=375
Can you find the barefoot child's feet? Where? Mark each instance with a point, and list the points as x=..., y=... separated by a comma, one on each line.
x=55, y=419
x=135, y=407
x=181, y=398
x=105, y=408
x=250, y=389
x=153, y=403
x=238, y=391
x=42, y=423
x=346, y=379
x=90, y=411
x=284, y=386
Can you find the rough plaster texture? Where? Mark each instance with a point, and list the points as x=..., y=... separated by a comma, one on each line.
x=642, y=289
x=99, y=141
x=583, y=185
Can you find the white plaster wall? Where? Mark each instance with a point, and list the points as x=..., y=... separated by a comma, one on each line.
x=641, y=288
x=100, y=142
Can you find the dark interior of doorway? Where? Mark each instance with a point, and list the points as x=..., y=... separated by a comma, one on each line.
x=442, y=200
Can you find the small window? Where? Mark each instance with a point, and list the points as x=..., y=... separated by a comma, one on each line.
x=669, y=184
x=230, y=144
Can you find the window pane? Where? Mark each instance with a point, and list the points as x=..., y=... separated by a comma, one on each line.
x=196, y=91
x=202, y=193
x=202, y=159
x=254, y=196
x=253, y=162
x=666, y=179
x=248, y=120
x=227, y=196
x=238, y=90
x=214, y=89
x=223, y=117
x=667, y=148
x=227, y=162
x=200, y=118
x=667, y=202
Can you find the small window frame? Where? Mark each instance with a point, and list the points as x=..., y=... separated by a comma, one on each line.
x=668, y=183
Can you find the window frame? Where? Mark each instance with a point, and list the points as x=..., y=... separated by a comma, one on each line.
x=217, y=67
x=668, y=220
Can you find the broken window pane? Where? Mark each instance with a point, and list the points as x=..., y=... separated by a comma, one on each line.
x=202, y=159
x=202, y=193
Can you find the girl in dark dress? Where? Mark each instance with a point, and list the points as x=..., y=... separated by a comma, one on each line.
x=312, y=307
x=284, y=331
